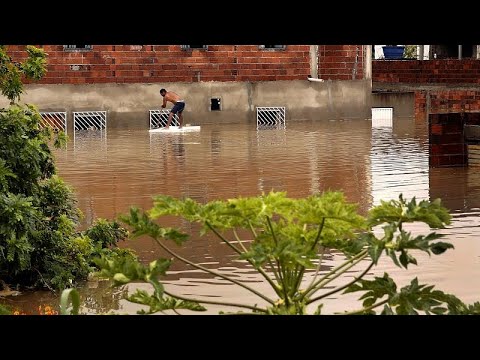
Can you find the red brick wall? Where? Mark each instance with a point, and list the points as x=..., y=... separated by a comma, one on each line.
x=466, y=71
x=340, y=62
x=449, y=111
x=446, y=101
x=169, y=63
x=447, y=144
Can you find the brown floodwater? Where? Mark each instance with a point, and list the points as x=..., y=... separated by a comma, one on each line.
x=128, y=167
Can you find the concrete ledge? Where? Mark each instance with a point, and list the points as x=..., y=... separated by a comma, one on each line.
x=130, y=103
x=378, y=87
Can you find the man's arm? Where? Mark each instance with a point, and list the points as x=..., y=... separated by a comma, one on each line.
x=164, y=101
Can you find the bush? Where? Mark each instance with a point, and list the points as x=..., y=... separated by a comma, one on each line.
x=39, y=243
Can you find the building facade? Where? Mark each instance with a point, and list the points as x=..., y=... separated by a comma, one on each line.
x=95, y=64
x=311, y=81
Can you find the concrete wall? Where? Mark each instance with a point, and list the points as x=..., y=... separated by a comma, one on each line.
x=128, y=104
x=402, y=102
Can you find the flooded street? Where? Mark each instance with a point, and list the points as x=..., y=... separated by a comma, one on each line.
x=128, y=167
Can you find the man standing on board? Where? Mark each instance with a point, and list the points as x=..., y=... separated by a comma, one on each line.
x=178, y=106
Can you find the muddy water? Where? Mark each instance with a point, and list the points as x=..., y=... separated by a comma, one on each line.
x=127, y=167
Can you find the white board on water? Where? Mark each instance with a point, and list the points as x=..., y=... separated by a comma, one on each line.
x=172, y=129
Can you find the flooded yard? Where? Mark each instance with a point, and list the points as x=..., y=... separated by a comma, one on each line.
x=127, y=167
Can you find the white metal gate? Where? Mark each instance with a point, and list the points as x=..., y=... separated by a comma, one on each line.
x=57, y=120
x=270, y=117
x=382, y=117
x=90, y=120
x=159, y=118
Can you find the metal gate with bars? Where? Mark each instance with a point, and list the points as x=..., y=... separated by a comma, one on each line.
x=382, y=117
x=57, y=120
x=270, y=117
x=159, y=118
x=89, y=120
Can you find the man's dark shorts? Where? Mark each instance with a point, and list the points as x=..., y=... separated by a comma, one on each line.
x=178, y=107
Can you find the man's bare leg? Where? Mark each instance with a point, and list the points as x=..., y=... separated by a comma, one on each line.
x=180, y=119
x=170, y=116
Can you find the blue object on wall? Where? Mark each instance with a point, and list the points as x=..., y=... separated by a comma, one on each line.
x=393, y=52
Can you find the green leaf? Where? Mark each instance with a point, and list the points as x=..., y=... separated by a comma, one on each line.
x=406, y=259
x=121, y=278
x=125, y=269
x=143, y=225
x=387, y=310
x=374, y=289
x=319, y=310
x=69, y=296
x=440, y=247
x=375, y=250
x=431, y=213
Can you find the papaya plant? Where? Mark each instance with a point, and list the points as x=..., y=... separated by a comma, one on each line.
x=288, y=237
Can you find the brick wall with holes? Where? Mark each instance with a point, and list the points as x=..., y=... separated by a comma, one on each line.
x=446, y=101
x=171, y=63
x=340, y=62
x=449, y=111
x=451, y=71
x=446, y=140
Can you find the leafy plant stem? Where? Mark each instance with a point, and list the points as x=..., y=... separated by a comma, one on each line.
x=213, y=272
x=239, y=240
x=282, y=273
x=317, y=270
x=214, y=302
x=254, y=233
x=362, y=254
x=258, y=268
x=343, y=286
x=345, y=269
x=301, y=271
x=368, y=308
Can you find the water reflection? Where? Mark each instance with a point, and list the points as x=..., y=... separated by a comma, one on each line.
x=97, y=297
x=398, y=166
x=230, y=160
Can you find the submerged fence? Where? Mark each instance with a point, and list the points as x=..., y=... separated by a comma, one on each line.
x=159, y=119
x=270, y=117
x=57, y=120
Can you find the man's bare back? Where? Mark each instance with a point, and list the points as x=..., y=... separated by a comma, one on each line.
x=172, y=97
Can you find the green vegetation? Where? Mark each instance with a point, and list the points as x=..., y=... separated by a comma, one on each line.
x=410, y=52
x=69, y=302
x=288, y=237
x=4, y=310
x=11, y=73
x=39, y=244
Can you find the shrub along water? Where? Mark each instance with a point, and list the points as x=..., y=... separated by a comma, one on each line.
x=39, y=243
